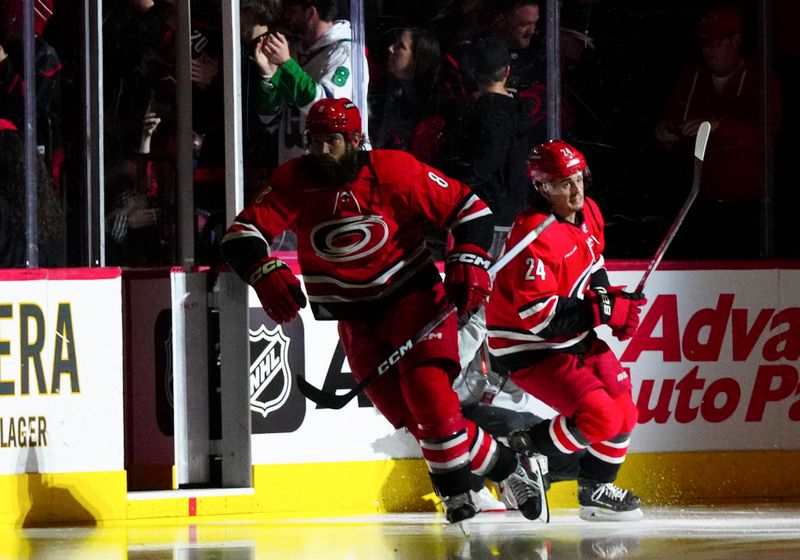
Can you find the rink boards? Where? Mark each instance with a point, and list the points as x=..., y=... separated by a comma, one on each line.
x=714, y=366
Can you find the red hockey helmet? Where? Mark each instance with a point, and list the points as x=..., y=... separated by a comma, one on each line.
x=332, y=116
x=554, y=160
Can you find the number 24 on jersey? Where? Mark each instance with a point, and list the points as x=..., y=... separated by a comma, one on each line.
x=535, y=269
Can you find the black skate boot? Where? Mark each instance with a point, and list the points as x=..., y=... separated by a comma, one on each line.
x=459, y=507
x=605, y=501
x=521, y=442
x=524, y=490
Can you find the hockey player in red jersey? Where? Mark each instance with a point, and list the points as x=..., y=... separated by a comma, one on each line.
x=541, y=318
x=358, y=218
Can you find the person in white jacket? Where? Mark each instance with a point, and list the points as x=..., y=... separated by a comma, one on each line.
x=296, y=74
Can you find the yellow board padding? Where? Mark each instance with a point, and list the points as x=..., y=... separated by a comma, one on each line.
x=53, y=498
x=714, y=477
x=308, y=490
x=692, y=478
x=349, y=488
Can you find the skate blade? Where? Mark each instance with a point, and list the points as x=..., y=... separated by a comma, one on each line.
x=595, y=514
x=536, y=469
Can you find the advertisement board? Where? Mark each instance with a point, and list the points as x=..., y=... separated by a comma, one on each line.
x=714, y=367
x=60, y=371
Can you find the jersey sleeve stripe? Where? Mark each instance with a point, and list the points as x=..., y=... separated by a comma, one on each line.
x=536, y=307
x=538, y=315
x=496, y=348
x=238, y=230
x=474, y=216
x=514, y=335
x=599, y=263
x=472, y=209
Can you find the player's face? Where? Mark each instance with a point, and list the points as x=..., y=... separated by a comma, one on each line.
x=330, y=147
x=333, y=158
x=522, y=26
x=565, y=195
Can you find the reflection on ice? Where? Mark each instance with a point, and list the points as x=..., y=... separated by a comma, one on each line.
x=762, y=533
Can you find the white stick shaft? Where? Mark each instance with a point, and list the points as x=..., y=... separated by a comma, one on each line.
x=524, y=242
x=700, y=143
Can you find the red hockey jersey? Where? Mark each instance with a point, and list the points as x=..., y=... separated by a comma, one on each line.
x=540, y=287
x=362, y=242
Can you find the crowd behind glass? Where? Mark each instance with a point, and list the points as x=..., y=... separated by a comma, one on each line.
x=632, y=89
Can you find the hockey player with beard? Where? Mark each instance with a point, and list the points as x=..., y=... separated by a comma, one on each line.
x=541, y=323
x=358, y=219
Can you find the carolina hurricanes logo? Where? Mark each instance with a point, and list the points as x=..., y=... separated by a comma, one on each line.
x=348, y=239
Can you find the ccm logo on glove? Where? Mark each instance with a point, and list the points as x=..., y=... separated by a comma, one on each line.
x=278, y=289
x=469, y=258
x=466, y=277
x=271, y=265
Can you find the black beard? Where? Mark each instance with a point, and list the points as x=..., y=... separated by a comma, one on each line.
x=335, y=173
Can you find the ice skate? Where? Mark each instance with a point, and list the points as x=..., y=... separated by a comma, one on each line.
x=524, y=490
x=605, y=501
x=459, y=507
x=485, y=501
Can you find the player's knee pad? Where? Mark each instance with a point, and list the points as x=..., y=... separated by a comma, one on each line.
x=598, y=416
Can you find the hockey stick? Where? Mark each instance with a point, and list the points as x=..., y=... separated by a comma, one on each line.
x=329, y=400
x=701, y=140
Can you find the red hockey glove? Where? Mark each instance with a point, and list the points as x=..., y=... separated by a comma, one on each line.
x=278, y=289
x=636, y=302
x=616, y=308
x=466, y=277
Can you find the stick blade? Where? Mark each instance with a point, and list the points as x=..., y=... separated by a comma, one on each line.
x=320, y=397
x=701, y=141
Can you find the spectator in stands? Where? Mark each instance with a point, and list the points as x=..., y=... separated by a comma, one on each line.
x=13, y=203
x=296, y=73
x=725, y=90
x=141, y=139
x=139, y=60
x=461, y=22
x=47, y=68
x=495, y=147
x=134, y=237
x=12, y=87
x=519, y=25
x=257, y=18
x=407, y=110
x=456, y=27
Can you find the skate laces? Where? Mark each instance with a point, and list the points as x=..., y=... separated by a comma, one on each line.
x=457, y=500
x=521, y=485
x=611, y=490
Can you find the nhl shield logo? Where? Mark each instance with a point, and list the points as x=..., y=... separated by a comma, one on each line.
x=270, y=373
